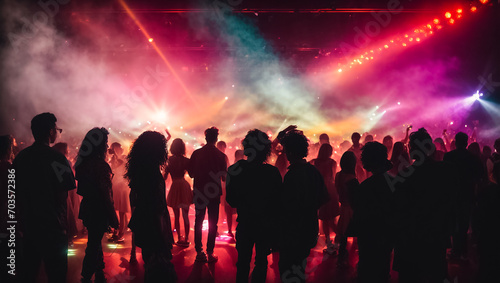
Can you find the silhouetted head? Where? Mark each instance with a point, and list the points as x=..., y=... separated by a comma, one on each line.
x=239, y=155
x=62, y=147
x=211, y=135
x=6, y=143
x=324, y=138
x=257, y=146
x=221, y=145
x=148, y=153
x=295, y=145
x=355, y=137
x=115, y=148
x=325, y=151
x=374, y=158
x=439, y=144
x=421, y=142
x=487, y=151
x=388, y=141
x=43, y=127
x=348, y=162
x=475, y=149
x=461, y=140
x=178, y=147
x=398, y=150
x=368, y=138
x=497, y=145
x=94, y=145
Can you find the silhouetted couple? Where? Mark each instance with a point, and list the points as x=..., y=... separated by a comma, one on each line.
x=270, y=212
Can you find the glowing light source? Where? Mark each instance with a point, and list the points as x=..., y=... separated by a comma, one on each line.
x=417, y=39
x=447, y=15
x=483, y=1
x=452, y=21
x=386, y=46
x=459, y=11
x=150, y=39
x=436, y=21
x=226, y=98
x=477, y=95
x=473, y=8
x=451, y=123
x=340, y=70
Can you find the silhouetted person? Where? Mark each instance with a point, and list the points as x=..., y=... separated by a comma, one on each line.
x=121, y=190
x=342, y=180
x=228, y=210
x=253, y=188
x=493, y=159
x=304, y=192
x=330, y=210
x=180, y=195
x=150, y=221
x=5, y=170
x=72, y=202
x=388, y=141
x=356, y=148
x=440, y=149
x=208, y=167
x=43, y=179
x=424, y=214
x=373, y=207
x=96, y=209
x=468, y=168
x=399, y=158
x=488, y=229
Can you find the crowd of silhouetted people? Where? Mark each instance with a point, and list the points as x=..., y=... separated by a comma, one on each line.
x=411, y=206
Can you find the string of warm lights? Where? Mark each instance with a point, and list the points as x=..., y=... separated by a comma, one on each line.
x=414, y=36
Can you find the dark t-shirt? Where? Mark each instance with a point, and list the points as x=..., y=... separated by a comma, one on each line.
x=253, y=189
x=207, y=166
x=303, y=193
x=177, y=166
x=468, y=169
x=43, y=179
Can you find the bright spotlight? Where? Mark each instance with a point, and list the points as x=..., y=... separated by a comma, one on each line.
x=483, y=1
x=477, y=95
x=150, y=39
x=447, y=15
x=459, y=11
x=340, y=70
x=436, y=21
x=473, y=8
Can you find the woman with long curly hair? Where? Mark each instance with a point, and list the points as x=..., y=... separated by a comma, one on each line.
x=96, y=209
x=150, y=221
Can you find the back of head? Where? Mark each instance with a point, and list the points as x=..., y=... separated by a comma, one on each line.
x=387, y=140
x=325, y=151
x=374, y=157
x=324, y=138
x=221, y=145
x=487, y=150
x=6, y=147
x=295, y=145
x=397, y=150
x=41, y=125
x=348, y=162
x=239, y=155
x=355, y=137
x=497, y=145
x=211, y=135
x=94, y=146
x=178, y=147
x=475, y=149
x=421, y=141
x=148, y=153
x=368, y=138
x=461, y=140
x=257, y=146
